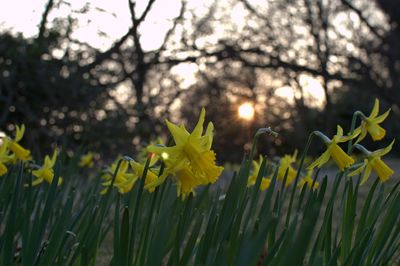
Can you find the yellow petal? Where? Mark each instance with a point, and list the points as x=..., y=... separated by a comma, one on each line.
x=152, y=185
x=3, y=169
x=47, y=162
x=309, y=181
x=294, y=156
x=209, y=135
x=366, y=174
x=123, y=168
x=37, y=181
x=339, y=131
x=321, y=160
x=180, y=135
x=359, y=169
x=150, y=178
x=198, y=130
x=19, y=133
x=126, y=186
x=339, y=138
x=187, y=182
x=384, y=151
x=362, y=131
x=382, y=117
x=182, y=126
x=19, y=151
x=291, y=176
x=375, y=109
x=265, y=183
x=253, y=177
x=54, y=157
x=104, y=191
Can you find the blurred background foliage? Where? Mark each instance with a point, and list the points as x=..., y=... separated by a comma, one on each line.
x=304, y=65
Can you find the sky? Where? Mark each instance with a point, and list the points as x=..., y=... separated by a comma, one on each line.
x=112, y=18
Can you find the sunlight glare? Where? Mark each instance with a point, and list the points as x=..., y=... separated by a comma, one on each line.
x=246, y=111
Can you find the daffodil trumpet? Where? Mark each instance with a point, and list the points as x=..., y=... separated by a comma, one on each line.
x=373, y=161
x=342, y=159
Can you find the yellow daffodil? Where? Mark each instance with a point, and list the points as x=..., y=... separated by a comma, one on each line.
x=19, y=151
x=333, y=150
x=191, y=150
x=151, y=176
x=3, y=169
x=46, y=172
x=256, y=168
x=86, y=160
x=125, y=179
x=371, y=123
x=308, y=180
x=374, y=162
x=122, y=177
x=5, y=157
x=286, y=165
x=265, y=182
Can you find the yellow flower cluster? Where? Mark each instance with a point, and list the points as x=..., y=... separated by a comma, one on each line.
x=11, y=150
x=190, y=162
x=372, y=161
x=126, y=175
x=285, y=169
x=265, y=181
x=369, y=125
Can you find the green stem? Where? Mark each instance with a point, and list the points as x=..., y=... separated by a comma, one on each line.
x=310, y=137
x=257, y=135
x=132, y=234
x=352, y=127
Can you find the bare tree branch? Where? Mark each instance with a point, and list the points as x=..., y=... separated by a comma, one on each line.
x=42, y=27
x=363, y=19
x=172, y=29
x=102, y=56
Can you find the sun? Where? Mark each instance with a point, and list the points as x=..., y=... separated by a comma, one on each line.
x=246, y=111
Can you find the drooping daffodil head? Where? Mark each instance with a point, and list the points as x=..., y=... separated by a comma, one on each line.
x=371, y=123
x=342, y=159
x=373, y=161
x=20, y=152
